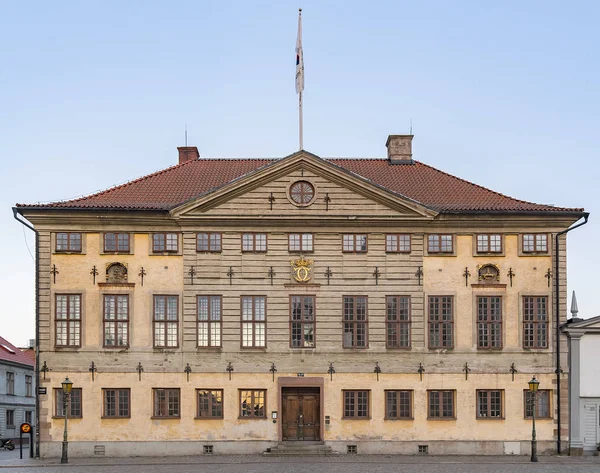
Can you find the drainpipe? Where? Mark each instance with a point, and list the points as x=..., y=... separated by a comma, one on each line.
x=585, y=215
x=37, y=329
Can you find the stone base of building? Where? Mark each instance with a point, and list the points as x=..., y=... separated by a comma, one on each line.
x=203, y=447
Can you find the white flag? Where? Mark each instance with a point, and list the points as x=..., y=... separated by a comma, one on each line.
x=299, y=57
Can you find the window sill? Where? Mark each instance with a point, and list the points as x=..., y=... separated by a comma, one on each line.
x=79, y=417
x=114, y=417
x=357, y=418
x=442, y=419
x=213, y=348
x=209, y=252
x=166, y=253
x=116, y=347
x=252, y=418
x=257, y=349
x=490, y=418
x=399, y=418
x=165, y=349
x=166, y=417
x=67, y=347
x=397, y=252
x=398, y=348
x=66, y=252
x=214, y=418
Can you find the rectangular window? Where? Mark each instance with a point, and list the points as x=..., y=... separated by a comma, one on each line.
x=74, y=401
x=441, y=404
x=397, y=243
x=535, y=243
x=535, y=322
x=489, y=244
x=165, y=242
x=209, y=321
x=254, y=242
x=398, y=322
x=208, y=242
x=355, y=322
x=542, y=404
x=10, y=383
x=439, y=244
x=166, y=321
x=166, y=402
x=489, y=322
x=398, y=405
x=28, y=386
x=10, y=419
x=354, y=243
x=302, y=321
x=254, y=321
x=489, y=404
x=69, y=242
x=210, y=403
x=441, y=322
x=116, y=242
x=68, y=320
x=116, y=321
x=252, y=403
x=29, y=417
x=116, y=402
x=300, y=242
x=356, y=404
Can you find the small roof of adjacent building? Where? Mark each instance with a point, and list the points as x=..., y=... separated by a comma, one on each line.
x=8, y=352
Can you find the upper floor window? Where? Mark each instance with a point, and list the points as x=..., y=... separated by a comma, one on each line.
x=398, y=404
x=116, y=402
x=535, y=322
x=354, y=243
x=10, y=382
x=398, y=322
x=116, y=242
x=489, y=404
x=397, y=243
x=165, y=242
x=302, y=321
x=116, y=321
x=74, y=402
x=489, y=322
x=489, y=243
x=439, y=244
x=208, y=242
x=300, y=242
x=253, y=403
x=441, y=322
x=356, y=404
x=69, y=242
x=355, y=322
x=535, y=243
x=441, y=404
x=542, y=403
x=28, y=385
x=209, y=321
x=166, y=321
x=254, y=242
x=210, y=403
x=254, y=321
x=166, y=402
x=68, y=320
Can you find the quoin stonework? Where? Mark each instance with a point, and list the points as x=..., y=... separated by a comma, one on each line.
x=235, y=305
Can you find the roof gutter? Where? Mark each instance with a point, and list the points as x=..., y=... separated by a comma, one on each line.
x=585, y=215
x=36, y=426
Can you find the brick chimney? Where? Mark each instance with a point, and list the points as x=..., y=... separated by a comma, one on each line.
x=187, y=153
x=399, y=149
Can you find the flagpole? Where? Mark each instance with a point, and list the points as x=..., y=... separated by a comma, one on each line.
x=300, y=77
x=300, y=118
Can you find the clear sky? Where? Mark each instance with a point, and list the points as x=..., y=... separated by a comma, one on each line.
x=92, y=94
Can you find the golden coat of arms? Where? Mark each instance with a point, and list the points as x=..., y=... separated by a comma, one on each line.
x=302, y=269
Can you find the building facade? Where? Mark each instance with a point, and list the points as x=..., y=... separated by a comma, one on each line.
x=584, y=402
x=374, y=305
x=17, y=389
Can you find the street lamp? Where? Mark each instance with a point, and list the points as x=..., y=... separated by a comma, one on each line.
x=66, y=389
x=533, y=387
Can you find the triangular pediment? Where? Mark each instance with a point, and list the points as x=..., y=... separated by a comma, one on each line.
x=336, y=194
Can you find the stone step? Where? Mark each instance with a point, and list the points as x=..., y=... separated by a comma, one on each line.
x=299, y=448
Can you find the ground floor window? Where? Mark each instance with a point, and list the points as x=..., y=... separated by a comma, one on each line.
x=252, y=403
x=116, y=402
x=210, y=403
x=441, y=404
x=166, y=402
x=398, y=405
x=356, y=404
x=542, y=404
x=489, y=404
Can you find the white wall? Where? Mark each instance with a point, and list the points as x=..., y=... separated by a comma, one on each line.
x=590, y=365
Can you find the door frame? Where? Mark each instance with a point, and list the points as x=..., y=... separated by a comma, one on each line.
x=300, y=382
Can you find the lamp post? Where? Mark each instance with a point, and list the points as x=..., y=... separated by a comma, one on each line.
x=533, y=387
x=66, y=389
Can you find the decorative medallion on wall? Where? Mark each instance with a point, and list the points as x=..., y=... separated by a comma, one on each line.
x=302, y=269
x=302, y=193
x=489, y=273
x=116, y=273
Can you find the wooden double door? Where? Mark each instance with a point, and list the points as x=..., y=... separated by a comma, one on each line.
x=301, y=413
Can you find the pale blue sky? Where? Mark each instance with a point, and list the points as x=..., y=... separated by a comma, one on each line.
x=92, y=94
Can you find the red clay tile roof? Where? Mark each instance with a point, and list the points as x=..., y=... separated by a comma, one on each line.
x=432, y=188
x=8, y=352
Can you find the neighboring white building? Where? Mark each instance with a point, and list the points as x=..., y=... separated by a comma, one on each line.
x=17, y=389
x=584, y=389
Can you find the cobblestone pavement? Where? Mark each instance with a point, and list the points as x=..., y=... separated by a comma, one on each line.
x=9, y=461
